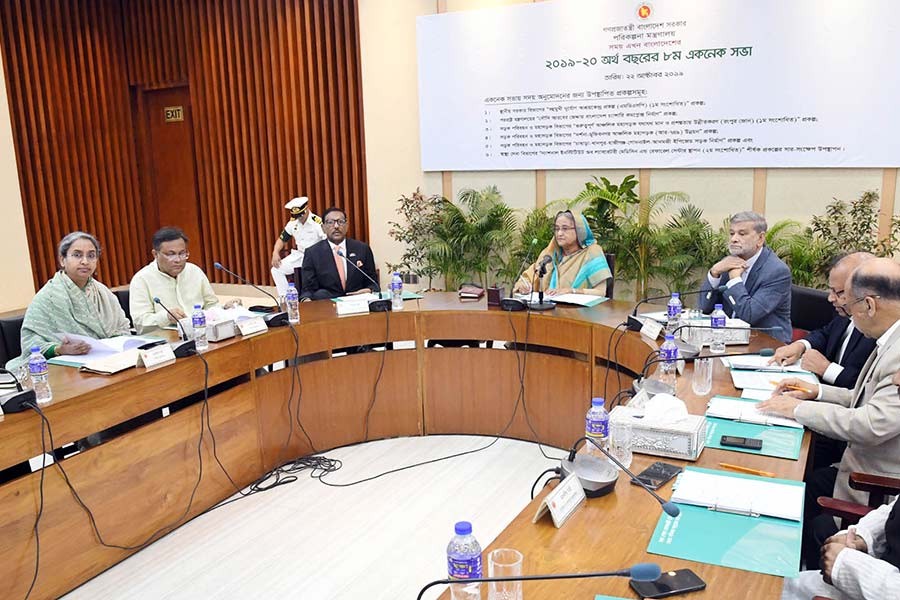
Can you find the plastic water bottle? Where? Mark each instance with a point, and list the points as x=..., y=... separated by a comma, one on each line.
x=596, y=426
x=198, y=322
x=40, y=376
x=464, y=562
x=292, y=299
x=673, y=312
x=717, y=322
x=396, y=292
x=668, y=353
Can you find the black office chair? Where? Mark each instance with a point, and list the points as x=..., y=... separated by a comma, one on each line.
x=12, y=335
x=4, y=357
x=124, y=298
x=810, y=309
x=611, y=282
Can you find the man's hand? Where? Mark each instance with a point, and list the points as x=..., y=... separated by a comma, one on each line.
x=179, y=314
x=232, y=303
x=896, y=379
x=728, y=264
x=798, y=388
x=788, y=355
x=522, y=287
x=780, y=405
x=815, y=361
x=276, y=260
x=67, y=346
x=358, y=292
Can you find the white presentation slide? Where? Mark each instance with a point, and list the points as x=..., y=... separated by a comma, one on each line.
x=576, y=84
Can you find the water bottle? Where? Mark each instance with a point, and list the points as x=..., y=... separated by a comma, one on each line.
x=396, y=292
x=668, y=353
x=198, y=322
x=464, y=562
x=596, y=426
x=40, y=376
x=292, y=299
x=717, y=322
x=673, y=312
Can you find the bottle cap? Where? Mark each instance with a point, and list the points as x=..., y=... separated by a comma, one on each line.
x=463, y=528
x=291, y=284
x=196, y=307
x=676, y=295
x=598, y=402
x=670, y=337
x=35, y=349
x=718, y=307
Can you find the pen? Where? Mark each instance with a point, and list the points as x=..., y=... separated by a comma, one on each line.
x=792, y=387
x=747, y=470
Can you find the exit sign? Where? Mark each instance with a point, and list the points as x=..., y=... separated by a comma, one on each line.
x=173, y=114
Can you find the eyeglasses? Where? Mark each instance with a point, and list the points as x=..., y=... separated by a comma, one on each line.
x=335, y=222
x=175, y=255
x=90, y=256
x=858, y=300
x=563, y=229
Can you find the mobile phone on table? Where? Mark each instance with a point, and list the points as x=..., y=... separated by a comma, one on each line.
x=741, y=442
x=669, y=583
x=656, y=475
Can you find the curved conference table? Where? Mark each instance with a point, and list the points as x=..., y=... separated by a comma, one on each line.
x=140, y=479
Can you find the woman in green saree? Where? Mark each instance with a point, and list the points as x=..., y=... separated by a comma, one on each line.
x=71, y=302
x=578, y=263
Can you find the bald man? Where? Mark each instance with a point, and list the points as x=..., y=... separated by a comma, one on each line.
x=866, y=417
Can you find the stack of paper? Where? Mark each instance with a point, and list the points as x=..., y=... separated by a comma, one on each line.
x=746, y=412
x=756, y=362
x=765, y=380
x=751, y=496
x=576, y=299
x=100, y=349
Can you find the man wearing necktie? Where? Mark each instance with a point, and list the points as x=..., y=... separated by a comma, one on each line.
x=751, y=283
x=866, y=417
x=326, y=272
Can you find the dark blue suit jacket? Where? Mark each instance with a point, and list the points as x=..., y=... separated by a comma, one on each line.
x=827, y=340
x=320, y=274
x=764, y=300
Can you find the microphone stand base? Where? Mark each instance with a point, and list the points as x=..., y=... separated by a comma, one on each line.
x=512, y=304
x=541, y=305
x=597, y=476
x=633, y=323
x=184, y=349
x=652, y=387
x=380, y=306
x=277, y=319
x=14, y=402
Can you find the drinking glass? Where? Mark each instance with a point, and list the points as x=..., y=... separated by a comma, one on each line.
x=701, y=380
x=505, y=562
x=620, y=441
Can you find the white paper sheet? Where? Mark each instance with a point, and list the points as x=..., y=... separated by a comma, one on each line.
x=739, y=494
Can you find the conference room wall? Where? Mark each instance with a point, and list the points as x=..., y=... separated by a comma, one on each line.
x=15, y=268
x=388, y=31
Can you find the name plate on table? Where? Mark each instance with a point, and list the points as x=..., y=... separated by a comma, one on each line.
x=562, y=501
x=651, y=329
x=352, y=306
x=252, y=326
x=156, y=356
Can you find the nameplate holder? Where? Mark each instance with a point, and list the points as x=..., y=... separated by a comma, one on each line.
x=252, y=326
x=562, y=501
x=354, y=306
x=651, y=328
x=155, y=356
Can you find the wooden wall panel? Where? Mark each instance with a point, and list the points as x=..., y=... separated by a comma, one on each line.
x=69, y=106
x=277, y=112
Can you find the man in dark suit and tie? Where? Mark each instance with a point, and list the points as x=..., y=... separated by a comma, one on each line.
x=326, y=272
x=757, y=284
x=835, y=352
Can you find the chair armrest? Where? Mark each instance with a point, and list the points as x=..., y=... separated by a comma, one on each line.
x=866, y=482
x=849, y=511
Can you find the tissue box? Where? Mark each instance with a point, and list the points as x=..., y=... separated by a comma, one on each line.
x=682, y=439
x=703, y=337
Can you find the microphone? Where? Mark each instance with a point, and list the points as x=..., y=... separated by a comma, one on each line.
x=186, y=347
x=18, y=401
x=658, y=387
x=379, y=305
x=275, y=319
x=583, y=466
x=542, y=270
x=688, y=325
x=638, y=572
x=635, y=324
x=514, y=304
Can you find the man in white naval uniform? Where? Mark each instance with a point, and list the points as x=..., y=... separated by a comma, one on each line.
x=306, y=229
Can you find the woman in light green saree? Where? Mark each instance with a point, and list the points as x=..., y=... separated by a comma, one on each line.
x=71, y=302
x=578, y=263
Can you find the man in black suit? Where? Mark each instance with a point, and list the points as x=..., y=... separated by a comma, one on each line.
x=326, y=272
x=836, y=352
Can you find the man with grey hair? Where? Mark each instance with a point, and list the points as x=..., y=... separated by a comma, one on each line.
x=751, y=283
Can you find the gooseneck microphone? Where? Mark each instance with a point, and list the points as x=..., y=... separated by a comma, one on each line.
x=576, y=463
x=278, y=318
x=18, y=401
x=514, y=304
x=380, y=305
x=187, y=346
x=638, y=572
x=541, y=271
x=654, y=386
x=635, y=324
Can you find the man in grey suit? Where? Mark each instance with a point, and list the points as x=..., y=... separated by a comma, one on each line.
x=866, y=417
x=751, y=283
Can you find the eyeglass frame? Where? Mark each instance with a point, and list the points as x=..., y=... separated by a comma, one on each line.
x=335, y=222
x=847, y=305
x=184, y=255
x=78, y=256
x=557, y=229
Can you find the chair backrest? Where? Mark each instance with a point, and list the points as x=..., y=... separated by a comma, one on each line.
x=810, y=308
x=4, y=357
x=611, y=282
x=124, y=298
x=11, y=328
